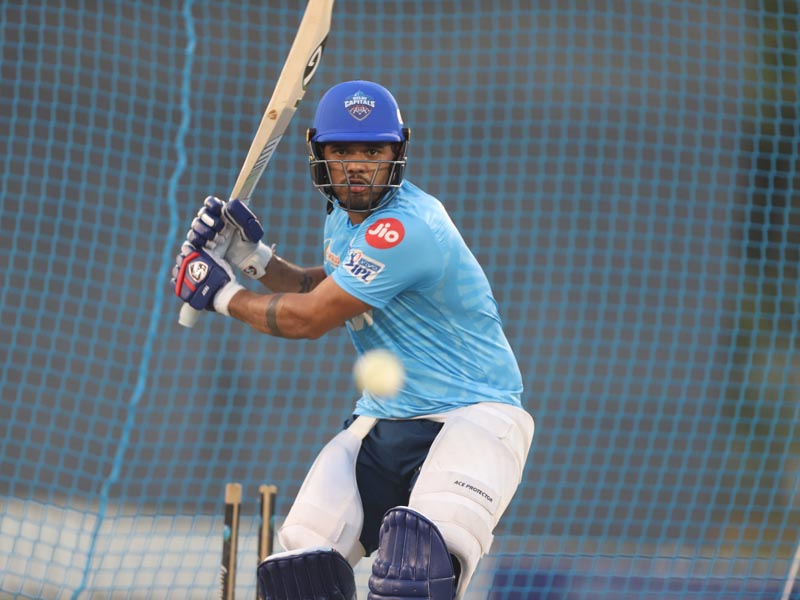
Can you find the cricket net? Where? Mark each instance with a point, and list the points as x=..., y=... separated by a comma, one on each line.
x=626, y=173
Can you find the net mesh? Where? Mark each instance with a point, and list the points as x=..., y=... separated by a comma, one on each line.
x=626, y=173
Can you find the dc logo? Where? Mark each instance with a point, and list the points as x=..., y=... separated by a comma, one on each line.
x=359, y=105
x=385, y=233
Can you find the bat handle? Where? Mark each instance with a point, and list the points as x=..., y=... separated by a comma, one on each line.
x=188, y=316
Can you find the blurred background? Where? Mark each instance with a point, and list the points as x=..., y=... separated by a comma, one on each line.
x=627, y=173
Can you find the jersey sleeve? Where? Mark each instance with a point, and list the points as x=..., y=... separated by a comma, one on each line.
x=394, y=254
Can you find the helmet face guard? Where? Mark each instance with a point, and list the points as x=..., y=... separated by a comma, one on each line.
x=357, y=111
x=380, y=193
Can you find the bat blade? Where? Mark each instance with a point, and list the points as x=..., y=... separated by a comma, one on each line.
x=300, y=66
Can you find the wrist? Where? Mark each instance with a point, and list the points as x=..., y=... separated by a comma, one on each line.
x=254, y=265
x=224, y=296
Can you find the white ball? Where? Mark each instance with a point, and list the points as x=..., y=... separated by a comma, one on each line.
x=379, y=372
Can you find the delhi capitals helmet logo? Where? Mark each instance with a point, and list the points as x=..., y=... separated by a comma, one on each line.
x=359, y=105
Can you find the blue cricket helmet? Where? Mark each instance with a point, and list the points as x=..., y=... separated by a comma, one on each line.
x=357, y=111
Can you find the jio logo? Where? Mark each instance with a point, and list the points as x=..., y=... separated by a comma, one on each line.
x=385, y=233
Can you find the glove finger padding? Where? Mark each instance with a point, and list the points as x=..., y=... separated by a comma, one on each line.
x=207, y=225
x=186, y=249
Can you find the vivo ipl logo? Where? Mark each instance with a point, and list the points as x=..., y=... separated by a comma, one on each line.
x=361, y=266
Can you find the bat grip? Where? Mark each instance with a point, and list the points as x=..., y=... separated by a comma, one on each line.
x=188, y=316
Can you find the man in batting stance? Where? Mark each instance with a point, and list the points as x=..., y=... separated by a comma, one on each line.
x=422, y=477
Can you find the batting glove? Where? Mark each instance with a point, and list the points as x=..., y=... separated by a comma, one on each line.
x=204, y=280
x=219, y=223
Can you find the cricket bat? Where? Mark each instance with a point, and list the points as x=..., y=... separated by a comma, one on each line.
x=300, y=66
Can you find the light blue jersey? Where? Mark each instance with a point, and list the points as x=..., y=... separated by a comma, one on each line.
x=433, y=306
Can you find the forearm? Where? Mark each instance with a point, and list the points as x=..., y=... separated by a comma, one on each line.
x=297, y=315
x=272, y=314
x=282, y=276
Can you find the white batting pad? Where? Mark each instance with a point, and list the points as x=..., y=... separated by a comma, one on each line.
x=470, y=475
x=327, y=510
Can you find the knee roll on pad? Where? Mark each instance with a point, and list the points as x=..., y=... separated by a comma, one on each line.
x=413, y=560
x=315, y=574
x=310, y=525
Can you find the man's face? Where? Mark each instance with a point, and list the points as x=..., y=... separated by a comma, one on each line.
x=358, y=179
